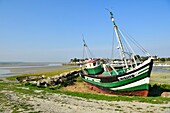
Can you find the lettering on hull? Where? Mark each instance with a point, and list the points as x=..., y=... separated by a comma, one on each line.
x=125, y=77
x=92, y=79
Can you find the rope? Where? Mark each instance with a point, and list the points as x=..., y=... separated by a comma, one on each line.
x=112, y=46
x=133, y=53
x=87, y=50
x=137, y=44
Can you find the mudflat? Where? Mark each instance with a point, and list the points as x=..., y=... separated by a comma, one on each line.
x=29, y=68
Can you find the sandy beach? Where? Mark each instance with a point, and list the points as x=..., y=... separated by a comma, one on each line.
x=59, y=103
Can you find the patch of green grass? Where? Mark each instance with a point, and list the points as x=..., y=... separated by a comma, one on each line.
x=159, y=78
x=34, y=112
x=165, y=86
x=118, y=110
x=100, y=108
x=165, y=107
x=20, y=107
x=79, y=79
x=129, y=107
x=118, y=106
x=153, y=100
x=2, y=98
x=13, y=87
x=139, y=108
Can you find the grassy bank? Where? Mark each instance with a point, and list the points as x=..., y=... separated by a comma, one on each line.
x=159, y=81
x=22, y=89
x=14, y=96
x=160, y=78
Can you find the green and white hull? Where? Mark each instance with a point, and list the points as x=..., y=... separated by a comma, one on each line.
x=94, y=70
x=133, y=82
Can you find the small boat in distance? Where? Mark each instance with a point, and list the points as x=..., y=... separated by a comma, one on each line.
x=130, y=78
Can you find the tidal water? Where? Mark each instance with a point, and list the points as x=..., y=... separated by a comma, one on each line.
x=11, y=69
x=160, y=69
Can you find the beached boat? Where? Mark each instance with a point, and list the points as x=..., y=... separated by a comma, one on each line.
x=131, y=78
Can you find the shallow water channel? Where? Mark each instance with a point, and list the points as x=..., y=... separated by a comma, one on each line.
x=11, y=69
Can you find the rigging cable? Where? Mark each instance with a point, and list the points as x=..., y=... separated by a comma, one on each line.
x=133, y=53
x=112, y=54
x=88, y=52
x=137, y=44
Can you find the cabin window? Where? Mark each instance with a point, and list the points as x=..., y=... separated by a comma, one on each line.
x=94, y=64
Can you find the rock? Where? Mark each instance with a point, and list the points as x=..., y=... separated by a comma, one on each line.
x=48, y=80
x=33, y=82
x=33, y=78
x=43, y=81
x=22, y=78
x=64, y=75
x=38, y=91
x=165, y=94
x=43, y=76
x=56, y=76
x=23, y=81
x=45, y=85
x=61, y=75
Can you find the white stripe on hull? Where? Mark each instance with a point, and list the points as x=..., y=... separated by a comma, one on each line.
x=129, y=76
x=137, y=83
x=147, y=67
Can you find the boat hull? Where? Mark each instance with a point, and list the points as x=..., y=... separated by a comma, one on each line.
x=95, y=70
x=128, y=93
x=135, y=82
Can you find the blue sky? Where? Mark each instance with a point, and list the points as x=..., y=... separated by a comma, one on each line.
x=51, y=30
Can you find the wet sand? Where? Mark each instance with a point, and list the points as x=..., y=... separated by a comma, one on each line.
x=12, y=69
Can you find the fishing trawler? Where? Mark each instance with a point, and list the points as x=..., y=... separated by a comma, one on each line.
x=129, y=78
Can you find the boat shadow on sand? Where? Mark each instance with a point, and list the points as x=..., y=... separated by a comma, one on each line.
x=158, y=90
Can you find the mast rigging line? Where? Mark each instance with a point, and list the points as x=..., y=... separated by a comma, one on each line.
x=112, y=54
x=89, y=53
x=136, y=43
x=129, y=47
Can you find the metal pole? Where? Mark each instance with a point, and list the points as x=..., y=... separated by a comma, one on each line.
x=119, y=40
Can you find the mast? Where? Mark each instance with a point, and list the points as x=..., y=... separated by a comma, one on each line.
x=86, y=50
x=119, y=40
